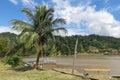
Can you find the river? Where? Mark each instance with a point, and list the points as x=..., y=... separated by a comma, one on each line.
x=111, y=62
x=90, y=61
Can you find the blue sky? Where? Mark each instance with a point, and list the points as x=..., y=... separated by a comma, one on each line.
x=83, y=17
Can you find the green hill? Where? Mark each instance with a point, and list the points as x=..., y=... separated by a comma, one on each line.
x=91, y=43
x=65, y=45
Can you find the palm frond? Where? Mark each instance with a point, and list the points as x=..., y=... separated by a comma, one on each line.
x=59, y=29
x=19, y=22
x=29, y=13
x=49, y=14
x=24, y=37
x=29, y=38
x=33, y=39
x=59, y=20
x=20, y=25
x=22, y=28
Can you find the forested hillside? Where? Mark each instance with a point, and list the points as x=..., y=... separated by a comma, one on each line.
x=7, y=42
x=10, y=45
x=63, y=45
x=90, y=44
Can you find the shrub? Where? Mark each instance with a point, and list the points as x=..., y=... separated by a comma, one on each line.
x=14, y=60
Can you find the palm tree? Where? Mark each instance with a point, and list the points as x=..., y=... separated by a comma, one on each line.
x=39, y=30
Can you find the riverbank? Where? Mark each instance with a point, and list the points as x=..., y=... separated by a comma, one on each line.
x=91, y=61
x=6, y=73
x=59, y=73
x=87, y=61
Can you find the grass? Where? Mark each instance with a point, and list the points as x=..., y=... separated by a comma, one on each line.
x=6, y=73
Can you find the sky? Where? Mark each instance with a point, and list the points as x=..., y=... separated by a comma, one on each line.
x=84, y=17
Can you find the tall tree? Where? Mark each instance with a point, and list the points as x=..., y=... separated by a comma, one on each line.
x=39, y=30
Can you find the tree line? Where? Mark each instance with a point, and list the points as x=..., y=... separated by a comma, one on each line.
x=88, y=44
x=62, y=45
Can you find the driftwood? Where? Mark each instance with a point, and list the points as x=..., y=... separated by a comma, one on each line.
x=96, y=70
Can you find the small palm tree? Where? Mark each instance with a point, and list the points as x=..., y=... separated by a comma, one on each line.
x=39, y=30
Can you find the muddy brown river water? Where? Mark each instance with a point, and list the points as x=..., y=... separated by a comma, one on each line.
x=88, y=61
x=111, y=62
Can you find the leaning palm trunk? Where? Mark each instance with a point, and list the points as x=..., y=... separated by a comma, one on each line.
x=40, y=54
x=37, y=61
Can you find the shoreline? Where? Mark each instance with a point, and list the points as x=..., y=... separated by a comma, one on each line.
x=88, y=61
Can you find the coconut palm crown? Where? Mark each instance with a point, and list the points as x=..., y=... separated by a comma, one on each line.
x=37, y=32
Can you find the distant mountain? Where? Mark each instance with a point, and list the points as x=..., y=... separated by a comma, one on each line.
x=10, y=36
x=7, y=34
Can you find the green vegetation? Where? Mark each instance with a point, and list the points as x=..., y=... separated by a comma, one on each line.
x=62, y=46
x=88, y=44
x=13, y=60
x=38, y=32
x=6, y=73
x=7, y=42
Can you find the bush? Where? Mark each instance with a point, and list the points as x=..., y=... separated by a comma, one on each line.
x=13, y=60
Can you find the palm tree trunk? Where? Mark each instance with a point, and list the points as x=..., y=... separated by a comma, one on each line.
x=37, y=60
x=40, y=53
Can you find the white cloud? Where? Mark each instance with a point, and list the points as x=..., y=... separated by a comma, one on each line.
x=98, y=22
x=8, y=29
x=75, y=32
x=62, y=33
x=14, y=1
x=29, y=3
x=70, y=32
